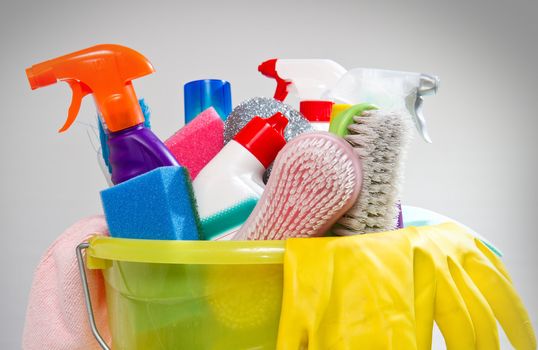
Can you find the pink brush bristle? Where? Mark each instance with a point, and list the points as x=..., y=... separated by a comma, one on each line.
x=198, y=142
x=316, y=178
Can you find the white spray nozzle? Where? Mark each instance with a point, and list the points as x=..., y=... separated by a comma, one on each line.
x=309, y=79
x=387, y=89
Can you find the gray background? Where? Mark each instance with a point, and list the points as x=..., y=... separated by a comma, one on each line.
x=480, y=170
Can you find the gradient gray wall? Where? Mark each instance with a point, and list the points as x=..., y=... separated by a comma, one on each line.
x=481, y=168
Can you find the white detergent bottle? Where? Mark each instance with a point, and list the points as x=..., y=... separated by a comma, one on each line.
x=229, y=186
x=308, y=80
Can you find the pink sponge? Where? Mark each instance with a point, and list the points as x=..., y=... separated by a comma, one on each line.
x=198, y=142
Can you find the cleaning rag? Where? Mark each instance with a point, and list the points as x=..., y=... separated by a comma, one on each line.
x=56, y=317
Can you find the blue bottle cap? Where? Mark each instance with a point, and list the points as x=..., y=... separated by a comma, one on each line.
x=202, y=94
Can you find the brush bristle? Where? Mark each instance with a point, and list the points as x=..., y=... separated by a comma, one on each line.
x=379, y=139
x=316, y=178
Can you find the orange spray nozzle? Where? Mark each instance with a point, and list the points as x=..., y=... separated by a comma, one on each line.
x=106, y=71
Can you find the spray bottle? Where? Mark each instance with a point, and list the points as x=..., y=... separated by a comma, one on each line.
x=107, y=71
x=387, y=89
x=309, y=80
x=229, y=186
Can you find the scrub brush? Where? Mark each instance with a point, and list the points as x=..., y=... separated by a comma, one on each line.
x=379, y=139
x=316, y=178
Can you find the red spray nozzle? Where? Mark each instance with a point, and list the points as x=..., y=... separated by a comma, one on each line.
x=106, y=71
x=268, y=68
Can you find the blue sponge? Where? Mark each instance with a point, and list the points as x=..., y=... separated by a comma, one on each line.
x=156, y=205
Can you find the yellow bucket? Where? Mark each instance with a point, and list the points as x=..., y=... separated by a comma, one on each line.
x=189, y=294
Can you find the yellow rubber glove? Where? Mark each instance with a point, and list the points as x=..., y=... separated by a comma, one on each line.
x=472, y=290
x=351, y=292
x=383, y=291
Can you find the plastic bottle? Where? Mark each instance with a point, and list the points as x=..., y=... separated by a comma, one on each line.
x=199, y=95
x=229, y=186
x=309, y=80
x=306, y=78
x=318, y=113
x=388, y=90
x=106, y=72
x=339, y=108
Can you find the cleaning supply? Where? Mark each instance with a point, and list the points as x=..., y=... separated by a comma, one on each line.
x=265, y=107
x=199, y=95
x=471, y=292
x=318, y=113
x=229, y=186
x=155, y=205
x=338, y=108
x=416, y=216
x=378, y=291
x=350, y=293
x=107, y=71
x=103, y=136
x=380, y=139
x=315, y=180
x=55, y=316
x=390, y=90
x=309, y=80
x=195, y=295
x=195, y=144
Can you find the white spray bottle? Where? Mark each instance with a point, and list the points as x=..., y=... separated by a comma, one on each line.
x=309, y=80
x=387, y=89
x=229, y=186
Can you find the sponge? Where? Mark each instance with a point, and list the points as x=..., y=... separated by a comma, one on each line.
x=198, y=142
x=155, y=205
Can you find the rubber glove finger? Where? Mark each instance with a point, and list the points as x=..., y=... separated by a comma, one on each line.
x=452, y=316
x=292, y=334
x=424, y=287
x=485, y=325
x=292, y=329
x=306, y=291
x=504, y=301
x=493, y=258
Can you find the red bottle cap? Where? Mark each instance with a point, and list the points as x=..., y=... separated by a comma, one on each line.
x=317, y=111
x=264, y=138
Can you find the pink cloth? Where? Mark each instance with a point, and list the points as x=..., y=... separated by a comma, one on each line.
x=56, y=318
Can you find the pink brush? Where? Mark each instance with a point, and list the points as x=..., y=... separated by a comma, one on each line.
x=316, y=178
x=198, y=142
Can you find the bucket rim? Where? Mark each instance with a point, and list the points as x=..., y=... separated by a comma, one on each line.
x=103, y=250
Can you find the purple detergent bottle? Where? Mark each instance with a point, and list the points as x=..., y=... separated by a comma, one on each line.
x=106, y=72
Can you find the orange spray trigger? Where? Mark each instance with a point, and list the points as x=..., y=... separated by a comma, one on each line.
x=105, y=71
x=79, y=91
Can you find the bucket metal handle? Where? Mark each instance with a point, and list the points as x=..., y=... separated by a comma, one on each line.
x=87, y=299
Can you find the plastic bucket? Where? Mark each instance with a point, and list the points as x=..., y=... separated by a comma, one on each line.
x=190, y=294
